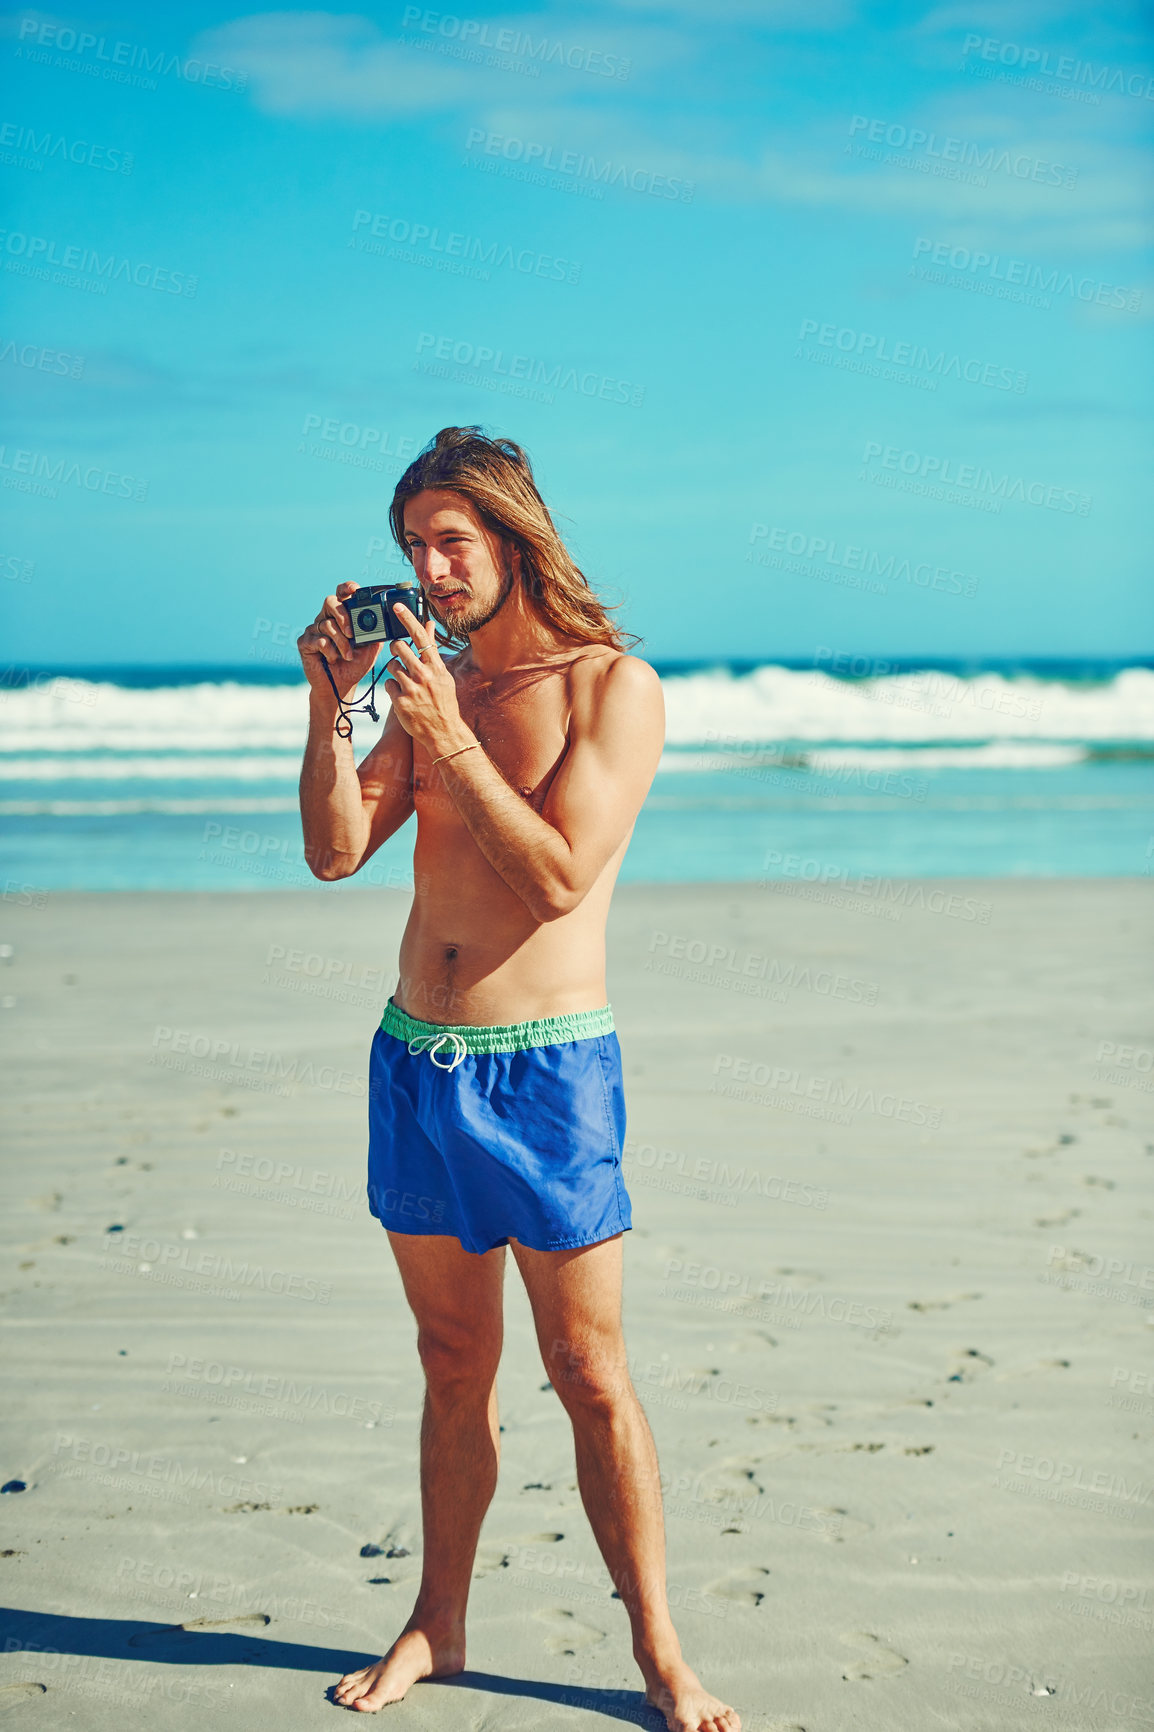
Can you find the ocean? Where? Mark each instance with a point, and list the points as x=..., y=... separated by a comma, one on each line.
x=185, y=778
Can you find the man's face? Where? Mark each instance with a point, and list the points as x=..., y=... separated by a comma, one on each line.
x=460, y=563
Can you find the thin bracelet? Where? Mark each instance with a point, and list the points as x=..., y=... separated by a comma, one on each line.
x=455, y=754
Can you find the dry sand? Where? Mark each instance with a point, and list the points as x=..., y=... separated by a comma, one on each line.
x=890, y=1294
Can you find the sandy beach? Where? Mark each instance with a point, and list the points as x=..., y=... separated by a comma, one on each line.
x=889, y=1297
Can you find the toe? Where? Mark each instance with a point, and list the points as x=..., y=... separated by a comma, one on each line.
x=350, y=1688
x=716, y=1720
x=372, y=1699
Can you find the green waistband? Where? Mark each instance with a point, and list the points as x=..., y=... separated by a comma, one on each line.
x=506, y=1037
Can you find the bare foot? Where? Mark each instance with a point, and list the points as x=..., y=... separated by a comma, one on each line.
x=415, y=1654
x=677, y=1693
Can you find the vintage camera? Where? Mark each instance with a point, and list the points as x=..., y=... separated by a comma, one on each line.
x=371, y=616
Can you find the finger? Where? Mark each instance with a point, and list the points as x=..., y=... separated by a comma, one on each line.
x=327, y=639
x=421, y=635
x=407, y=656
x=334, y=622
x=313, y=639
x=397, y=671
x=394, y=690
x=346, y=589
x=320, y=638
x=335, y=614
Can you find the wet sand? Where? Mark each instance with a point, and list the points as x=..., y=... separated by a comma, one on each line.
x=889, y=1302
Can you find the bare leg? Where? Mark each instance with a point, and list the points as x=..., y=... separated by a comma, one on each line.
x=456, y=1299
x=576, y=1300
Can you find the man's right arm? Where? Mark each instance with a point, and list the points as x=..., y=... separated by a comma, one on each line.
x=346, y=812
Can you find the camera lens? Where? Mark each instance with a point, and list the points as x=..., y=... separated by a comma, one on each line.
x=368, y=619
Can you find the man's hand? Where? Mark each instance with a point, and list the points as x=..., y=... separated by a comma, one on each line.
x=328, y=636
x=423, y=692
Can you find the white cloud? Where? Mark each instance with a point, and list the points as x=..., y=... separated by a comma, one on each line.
x=1106, y=210
x=323, y=63
x=767, y=14
x=318, y=63
x=1002, y=18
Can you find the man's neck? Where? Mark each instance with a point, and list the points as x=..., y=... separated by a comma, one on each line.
x=516, y=637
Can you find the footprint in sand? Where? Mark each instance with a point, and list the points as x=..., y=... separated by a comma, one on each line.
x=968, y=1365
x=570, y=1633
x=13, y=1695
x=489, y=1560
x=734, y=1477
x=1074, y=1262
x=394, y=1544
x=753, y=1340
x=1059, y=1219
x=760, y=1419
x=877, y=1661
x=838, y=1525
x=247, y=1621
x=940, y=1304
x=745, y=1587
x=1041, y=1368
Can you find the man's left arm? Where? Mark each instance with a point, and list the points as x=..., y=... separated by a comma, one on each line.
x=550, y=859
x=553, y=859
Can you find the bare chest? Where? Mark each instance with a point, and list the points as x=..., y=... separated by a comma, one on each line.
x=522, y=724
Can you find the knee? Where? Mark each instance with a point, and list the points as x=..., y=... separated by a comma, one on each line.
x=453, y=1358
x=587, y=1375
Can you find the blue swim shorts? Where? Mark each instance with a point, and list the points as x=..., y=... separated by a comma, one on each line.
x=486, y=1134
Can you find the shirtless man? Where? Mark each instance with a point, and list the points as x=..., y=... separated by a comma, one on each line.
x=496, y=1107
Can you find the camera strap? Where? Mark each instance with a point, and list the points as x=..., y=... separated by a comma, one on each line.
x=346, y=712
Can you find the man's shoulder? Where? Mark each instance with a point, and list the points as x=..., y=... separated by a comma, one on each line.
x=602, y=664
x=610, y=680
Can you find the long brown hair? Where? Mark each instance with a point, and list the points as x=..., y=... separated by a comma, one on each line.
x=495, y=476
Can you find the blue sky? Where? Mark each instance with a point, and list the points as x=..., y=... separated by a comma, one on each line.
x=790, y=382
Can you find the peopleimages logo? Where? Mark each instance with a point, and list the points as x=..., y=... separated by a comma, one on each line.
x=39, y=472
x=574, y=162
x=118, y=60
x=971, y=477
x=879, y=348
x=1040, y=62
x=483, y=357
x=41, y=359
x=1047, y=280
x=474, y=33
x=855, y=558
x=40, y=251
x=961, y=152
x=458, y=251
x=78, y=150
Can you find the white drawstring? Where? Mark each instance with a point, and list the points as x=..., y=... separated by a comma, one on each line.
x=430, y=1042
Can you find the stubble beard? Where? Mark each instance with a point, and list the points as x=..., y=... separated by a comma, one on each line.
x=465, y=623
